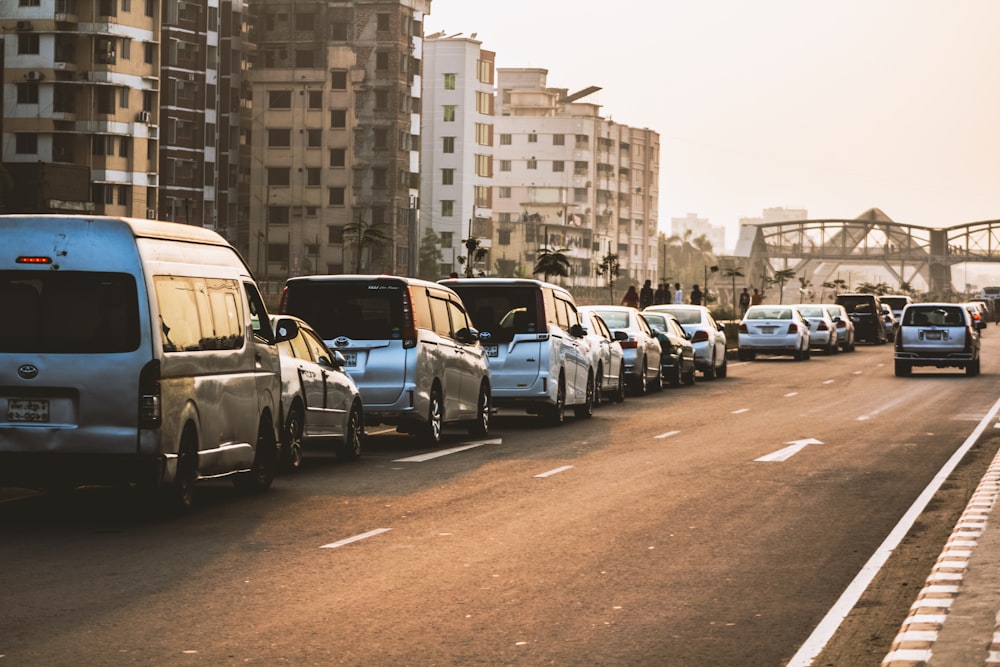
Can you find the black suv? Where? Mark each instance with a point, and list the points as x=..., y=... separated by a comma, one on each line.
x=865, y=310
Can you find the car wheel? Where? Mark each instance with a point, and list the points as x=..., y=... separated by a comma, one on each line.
x=744, y=355
x=620, y=389
x=481, y=427
x=435, y=418
x=723, y=370
x=641, y=380
x=265, y=462
x=599, y=386
x=178, y=498
x=709, y=373
x=688, y=377
x=291, y=453
x=554, y=414
x=972, y=369
x=350, y=448
x=903, y=368
x=798, y=355
x=676, y=376
x=586, y=410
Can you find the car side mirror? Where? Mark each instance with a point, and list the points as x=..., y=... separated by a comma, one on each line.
x=338, y=361
x=577, y=331
x=467, y=335
x=285, y=329
x=620, y=335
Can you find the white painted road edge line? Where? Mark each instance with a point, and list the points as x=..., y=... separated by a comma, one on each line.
x=670, y=433
x=828, y=626
x=554, y=471
x=356, y=538
x=420, y=458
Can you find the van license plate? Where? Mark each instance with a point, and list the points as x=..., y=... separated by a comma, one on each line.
x=932, y=335
x=492, y=350
x=21, y=410
x=350, y=358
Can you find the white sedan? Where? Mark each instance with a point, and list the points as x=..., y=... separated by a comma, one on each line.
x=606, y=358
x=773, y=330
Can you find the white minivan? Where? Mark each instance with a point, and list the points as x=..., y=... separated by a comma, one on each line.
x=536, y=344
x=134, y=352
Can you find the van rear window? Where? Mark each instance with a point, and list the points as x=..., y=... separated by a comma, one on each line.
x=68, y=312
x=502, y=310
x=362, y=310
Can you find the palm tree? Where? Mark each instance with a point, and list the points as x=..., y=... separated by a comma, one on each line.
x=552, y=262
x=828, y=285
x=733, y=273
x=839, y=284
x=365, y=235
x=781, y=277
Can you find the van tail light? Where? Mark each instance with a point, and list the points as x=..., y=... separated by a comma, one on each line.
x=281, y=301
x=793, y=328
x=743, y=328
x=149, y=395
x=630, y=344
x=409, y=328
x=699, y=337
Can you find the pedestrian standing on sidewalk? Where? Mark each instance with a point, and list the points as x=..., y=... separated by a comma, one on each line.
x=678, y=293
x=695, y=295
x=646, y=295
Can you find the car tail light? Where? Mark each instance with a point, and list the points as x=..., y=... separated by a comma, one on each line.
x=699, y=337
x=149, y=395
x=409, y=329
x=822, y=326
x=630, y=344
x=841, y=324
x=793, y=328
x=743, y=328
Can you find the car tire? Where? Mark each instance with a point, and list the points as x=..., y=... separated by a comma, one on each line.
x=688, y=378
x=586, y=410
x=641, y=380
x=709, y=373
x=481, y=427
x=676, y=376
x=722, y=371
x=554, y=415
x=431, y=431
x=972, y=368
x=599, y=386
x=265, y=462
x=178, y=498
x=291, y=450
x=619, y=396
x=350, y=448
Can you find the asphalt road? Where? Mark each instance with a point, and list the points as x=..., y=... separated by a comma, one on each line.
x=706, y=525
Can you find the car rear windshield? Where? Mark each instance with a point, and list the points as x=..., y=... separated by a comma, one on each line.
x=895, y=302
x=503, y=311
x=68, y=312
x=934, y=316
x=357, y=309
x=857, y=304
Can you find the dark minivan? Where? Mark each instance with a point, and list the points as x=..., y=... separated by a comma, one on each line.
x=865, y=310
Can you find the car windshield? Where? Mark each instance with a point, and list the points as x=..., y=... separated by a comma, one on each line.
x=769, y=314
x=811, y=311
x=657, y=322
x=615, y=319
x=503, y=311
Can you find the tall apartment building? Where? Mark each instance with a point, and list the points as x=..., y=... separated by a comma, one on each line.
x=334, y=177
x=81, y=105
x=457, y=149
x=569, y=179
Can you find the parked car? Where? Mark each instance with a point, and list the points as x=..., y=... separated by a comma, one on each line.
x=845, y=326
x=639, y=343
x=606, y=358
x=822, y=328
x=936, y=334
x=409, y=345
x=889, y=320
x=773, y=329
x=865, y=310
x=897, y=302
x=677, y=353
x=708, y=337
x=320, y=403
x=146, y=359
x=534, y=338
x=979, y=313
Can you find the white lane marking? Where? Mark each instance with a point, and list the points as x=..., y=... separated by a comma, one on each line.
x=857, y=372
x=420, y=458
x=877, y=411
x=791, y=393
x=670, y=433
x=828, y=381
x=795, y=446
x=828, y=626
x=740, y=411
x=554, y=471
x=356, y=538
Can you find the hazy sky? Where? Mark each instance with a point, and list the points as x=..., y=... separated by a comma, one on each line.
x=836, y=107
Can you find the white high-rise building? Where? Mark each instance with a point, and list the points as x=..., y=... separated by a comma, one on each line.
x=457, y=149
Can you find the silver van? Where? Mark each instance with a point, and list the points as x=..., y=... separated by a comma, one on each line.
x=134, y=352
x=535, y=342
x=409, y=345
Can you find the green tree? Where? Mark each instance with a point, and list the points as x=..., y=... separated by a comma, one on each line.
x=609, y=267
x=430, y=256
x=733, y=273
x=365, y=234
x=781, y=277
x=552, y=262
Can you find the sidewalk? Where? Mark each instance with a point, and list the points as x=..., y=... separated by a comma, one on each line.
x=955, y=621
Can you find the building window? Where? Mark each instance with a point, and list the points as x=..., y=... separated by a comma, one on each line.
x=446, y=239
x=582, y=141
x=484, y=134
x=505, y=140
x=580, y=195
x=338, y=157
x=449, y=81
x=449, y=113
x=381, y=100
x=503, y=192
x=381, y=138
x=124, y=195
x=26, y=143
x=447, y=208
x=27, y=44
x=580, y=168
x=447, y=177
x=336, y=197
x=338, y=119
x=382, y=22
x=558, y=139
x=532, y=138
x=279, y=176
x=315, y=99
x=484, y=165
x=313, y=176
x=338, y=79
x=484, y=71
x=558, y=165
x=338, y=31
x=281, y=138
x=503, y=237
x=314, y=138
x=484, y=103
x=532, y=163
x=27, y=93
x=148, y=53
x=505, y=165
x=481, y=194
x=279, y=99
x=382, y=61
x=378, y=178
x=448, y=144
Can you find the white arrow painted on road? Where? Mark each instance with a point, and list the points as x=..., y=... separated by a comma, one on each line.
x=794, y=447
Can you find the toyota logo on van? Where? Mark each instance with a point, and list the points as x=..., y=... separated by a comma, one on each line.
x=28, y=371
x=343, y=341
